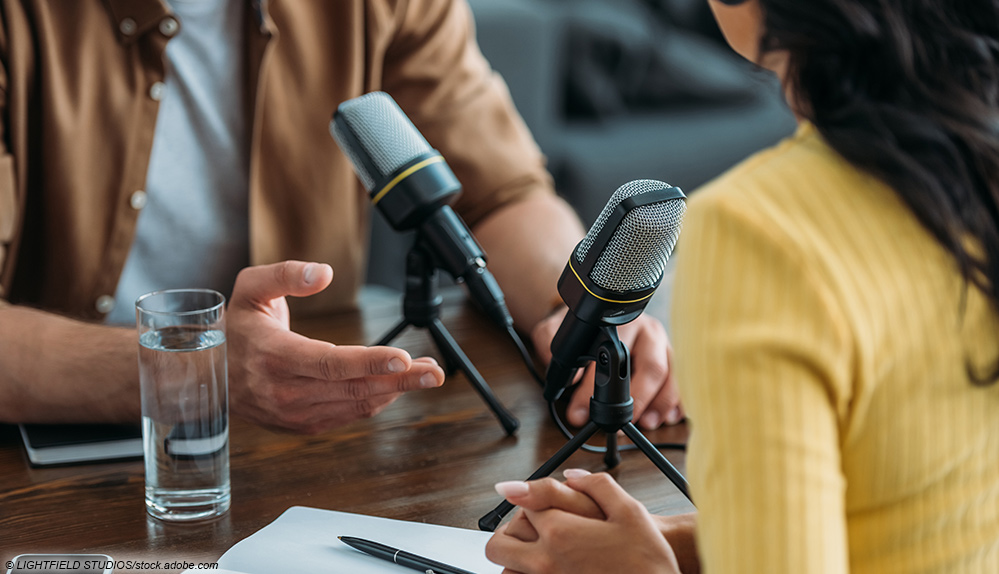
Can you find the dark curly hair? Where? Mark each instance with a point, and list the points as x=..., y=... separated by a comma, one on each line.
x=908, y=90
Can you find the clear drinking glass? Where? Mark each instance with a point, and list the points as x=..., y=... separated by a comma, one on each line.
x=185, y=403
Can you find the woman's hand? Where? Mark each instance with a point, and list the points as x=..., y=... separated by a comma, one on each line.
x=543, y=494
x=577, y=540
x=680, y=532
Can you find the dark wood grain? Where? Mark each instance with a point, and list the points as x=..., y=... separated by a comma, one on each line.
x=432, y=456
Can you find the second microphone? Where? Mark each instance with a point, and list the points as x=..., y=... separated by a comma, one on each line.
x=412, y=186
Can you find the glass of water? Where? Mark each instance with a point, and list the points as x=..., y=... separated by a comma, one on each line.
x=185, y=403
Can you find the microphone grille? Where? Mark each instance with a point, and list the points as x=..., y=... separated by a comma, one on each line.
x=636, y=254
x=384, y=133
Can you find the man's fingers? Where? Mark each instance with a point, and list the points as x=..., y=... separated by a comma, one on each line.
x=544, y=332
x=325, y=416
x=261, y=283
x=654, y=397
x=290, y=354
x=421, y=376
x=548, y=493
x=578, y=411
x=667, y=401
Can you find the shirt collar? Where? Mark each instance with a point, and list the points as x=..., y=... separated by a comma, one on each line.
x=133, y=18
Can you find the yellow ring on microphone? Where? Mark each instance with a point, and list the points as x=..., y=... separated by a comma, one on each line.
x=409, y=171
x=598, y=296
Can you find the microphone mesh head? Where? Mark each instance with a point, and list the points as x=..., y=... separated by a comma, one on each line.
x=385, y=134
x=636, y=254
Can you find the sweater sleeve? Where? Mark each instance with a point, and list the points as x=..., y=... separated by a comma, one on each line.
x=763, y=363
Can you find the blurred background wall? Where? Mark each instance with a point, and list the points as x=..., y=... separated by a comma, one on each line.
x=617, y=90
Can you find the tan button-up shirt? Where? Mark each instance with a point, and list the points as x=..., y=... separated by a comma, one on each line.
x=80, y=84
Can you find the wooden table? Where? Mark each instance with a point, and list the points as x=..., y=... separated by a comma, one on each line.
x=432, y=456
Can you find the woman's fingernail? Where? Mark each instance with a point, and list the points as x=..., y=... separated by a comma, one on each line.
x=579, y=414
x=512, y=488
x=575, y=473
x=396, y=365
x=428, y=381
x=674, y=416
x=309, y=274
x=650, y=420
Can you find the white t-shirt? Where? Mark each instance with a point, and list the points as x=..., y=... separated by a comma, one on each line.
x=193, y=229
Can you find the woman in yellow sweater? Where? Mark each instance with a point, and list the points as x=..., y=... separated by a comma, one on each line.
x=835, y=319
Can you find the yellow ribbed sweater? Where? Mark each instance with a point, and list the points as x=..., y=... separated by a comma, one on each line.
x=820, y=351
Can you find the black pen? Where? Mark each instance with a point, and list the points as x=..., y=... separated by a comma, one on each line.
x=400, y=557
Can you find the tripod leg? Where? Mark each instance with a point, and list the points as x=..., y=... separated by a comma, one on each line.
x=451, y=348
x=612, y=457
x=450, y=366
x=399, y=328
x=657, y=458
x=490, y=521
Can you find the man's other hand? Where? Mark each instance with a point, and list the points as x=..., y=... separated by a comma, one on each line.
x=652, y=384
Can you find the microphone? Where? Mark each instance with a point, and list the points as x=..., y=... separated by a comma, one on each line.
x=413, y=187
x=608, y=280
x=614, y=271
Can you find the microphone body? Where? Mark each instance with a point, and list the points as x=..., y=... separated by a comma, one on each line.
x=412, y=186
x=613, y=273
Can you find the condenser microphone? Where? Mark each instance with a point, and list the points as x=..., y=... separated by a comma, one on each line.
x=614, y=271
x=412, y=186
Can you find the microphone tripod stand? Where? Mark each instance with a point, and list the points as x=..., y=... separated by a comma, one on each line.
x=611, y=410
x=421, y=308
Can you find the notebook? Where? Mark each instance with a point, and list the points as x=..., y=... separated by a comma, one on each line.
x=66, y=444
x=305, y=540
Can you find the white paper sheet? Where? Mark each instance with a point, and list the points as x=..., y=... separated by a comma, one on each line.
x=304, y=540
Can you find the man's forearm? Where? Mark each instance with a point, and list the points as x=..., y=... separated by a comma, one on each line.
x=54, y=369
x=528, y=244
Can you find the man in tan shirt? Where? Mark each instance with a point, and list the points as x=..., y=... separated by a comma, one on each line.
x=81, y=86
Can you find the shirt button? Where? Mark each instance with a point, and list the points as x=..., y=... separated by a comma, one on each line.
x=168, y=26
x=138, y=200
x=104, y=304
x=127, y=26
x=156, y=91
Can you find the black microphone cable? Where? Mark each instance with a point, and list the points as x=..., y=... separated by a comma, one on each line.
x=525, y=355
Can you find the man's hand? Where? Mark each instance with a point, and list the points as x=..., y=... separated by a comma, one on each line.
x=652, y=384
x=557, y=532
x=284, y=380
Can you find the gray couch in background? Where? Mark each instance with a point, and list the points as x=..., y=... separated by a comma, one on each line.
x=614, y=93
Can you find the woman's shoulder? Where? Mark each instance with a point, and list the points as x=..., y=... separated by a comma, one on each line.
x=803, y=193
x=799, y=171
